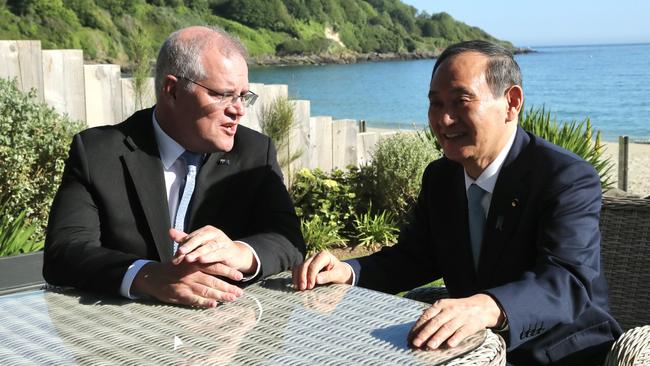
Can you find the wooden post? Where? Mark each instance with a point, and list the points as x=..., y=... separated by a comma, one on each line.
x=344, y=143
x=623, y=154
x=23, y=60
x=63, y=82
x=103, y=94
x=320, y=143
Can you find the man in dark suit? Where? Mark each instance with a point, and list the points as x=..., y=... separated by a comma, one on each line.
x=116, y=224
x=528, y=264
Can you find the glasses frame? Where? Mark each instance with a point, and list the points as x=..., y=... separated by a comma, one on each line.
x=247, y=99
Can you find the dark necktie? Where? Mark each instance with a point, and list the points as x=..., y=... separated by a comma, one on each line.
x=476, y=219
x=192, y=161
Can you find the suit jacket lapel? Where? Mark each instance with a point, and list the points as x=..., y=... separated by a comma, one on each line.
x=458, y=248
x=508, y=199
x=145, y=168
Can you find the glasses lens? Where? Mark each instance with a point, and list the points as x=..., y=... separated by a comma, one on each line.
x=249, y=99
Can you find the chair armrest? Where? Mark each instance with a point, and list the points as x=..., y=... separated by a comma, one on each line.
x=428, y=294
x=631, y=349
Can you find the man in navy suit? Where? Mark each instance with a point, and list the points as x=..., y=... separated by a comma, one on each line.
x=114, y=224
x=528, y=264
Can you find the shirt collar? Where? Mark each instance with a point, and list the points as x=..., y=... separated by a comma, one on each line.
x=488, y=179
x=168, y=148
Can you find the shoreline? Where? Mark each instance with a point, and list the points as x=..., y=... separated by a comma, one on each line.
x=351, y=58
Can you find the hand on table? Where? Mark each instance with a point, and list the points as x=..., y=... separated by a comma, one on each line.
x=192, y=284
x=321, y=269
x=452, y=320
x=211, y=245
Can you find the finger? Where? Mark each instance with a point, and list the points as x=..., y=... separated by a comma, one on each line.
x=220, y=269
x=212, y=252
x=415, y=336
x=300, y=275
x=428, y=314
x=211, y=287
x=441, y=333
x=322, y=261
x=334, y=273
x=177, y=235
x=201, y=236
x=461, y=333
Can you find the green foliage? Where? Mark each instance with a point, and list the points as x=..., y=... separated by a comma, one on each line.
x=375, y=230
x=320, y=235
x=276, y=121
x=34, y=142
x=17, y=234
x=105, y=29
x=574, y=136
x=315, y=193
x=397, y=166
x=316, y=45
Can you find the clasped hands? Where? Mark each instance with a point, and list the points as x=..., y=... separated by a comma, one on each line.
x=191, y=278
x=447, y=321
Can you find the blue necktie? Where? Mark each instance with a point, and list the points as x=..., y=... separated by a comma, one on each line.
x=192, y=161
x=476, y=219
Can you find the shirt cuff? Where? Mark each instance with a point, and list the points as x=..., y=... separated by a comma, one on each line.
x=257, y=261
x=129, y=276
x=354, y=278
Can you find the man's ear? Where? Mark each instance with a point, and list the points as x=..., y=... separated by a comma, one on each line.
x=170, y=87
x=515, y=98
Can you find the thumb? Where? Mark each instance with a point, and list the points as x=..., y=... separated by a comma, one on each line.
x=176, y=235
x=337, y=274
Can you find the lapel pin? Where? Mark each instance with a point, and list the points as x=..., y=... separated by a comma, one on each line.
x=223, y=161
x=515, y=202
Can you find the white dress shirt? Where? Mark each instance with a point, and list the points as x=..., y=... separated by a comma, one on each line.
x=175, y=171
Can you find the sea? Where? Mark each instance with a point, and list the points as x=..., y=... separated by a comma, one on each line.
x=609, y=84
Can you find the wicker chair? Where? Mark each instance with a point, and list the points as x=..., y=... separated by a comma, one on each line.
x=625, y=250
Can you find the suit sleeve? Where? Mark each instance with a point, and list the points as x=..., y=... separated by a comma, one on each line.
x=410, y=262
x=560, y=285
x=278, y=240
x=74, y=255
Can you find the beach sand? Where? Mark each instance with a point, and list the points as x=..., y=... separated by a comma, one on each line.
x=638, y=165
x=638, y=176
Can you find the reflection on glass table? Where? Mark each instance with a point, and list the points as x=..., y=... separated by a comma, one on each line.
x=270, y=325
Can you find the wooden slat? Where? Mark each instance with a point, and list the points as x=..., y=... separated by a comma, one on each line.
x=104, y=88
x=63, y=82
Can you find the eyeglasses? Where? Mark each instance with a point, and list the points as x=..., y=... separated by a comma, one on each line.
x=227, y=99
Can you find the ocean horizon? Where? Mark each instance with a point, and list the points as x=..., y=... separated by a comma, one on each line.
x=608, y=83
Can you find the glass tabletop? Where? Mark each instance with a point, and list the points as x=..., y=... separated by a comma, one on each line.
x=270, y=325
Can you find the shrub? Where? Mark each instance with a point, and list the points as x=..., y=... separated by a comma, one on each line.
x=320, y=235
x=375, y=230
x=573, y=136
x=276, y=121
x=34, y=142
x=17, y=235
x=330, y=197
x=397, y=165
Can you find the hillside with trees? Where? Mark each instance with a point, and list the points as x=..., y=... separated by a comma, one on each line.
x=119, y=31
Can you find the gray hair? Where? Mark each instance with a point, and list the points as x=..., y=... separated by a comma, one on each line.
x=181, y=56
x=502, y=69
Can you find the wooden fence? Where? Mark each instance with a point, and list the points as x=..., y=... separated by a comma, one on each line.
x=99, y=95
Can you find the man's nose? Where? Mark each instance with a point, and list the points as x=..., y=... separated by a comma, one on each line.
x=238, y=107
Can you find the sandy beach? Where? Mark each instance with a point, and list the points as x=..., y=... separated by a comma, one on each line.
x=638, y=167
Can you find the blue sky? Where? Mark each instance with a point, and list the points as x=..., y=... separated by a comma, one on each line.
x=551, y=22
